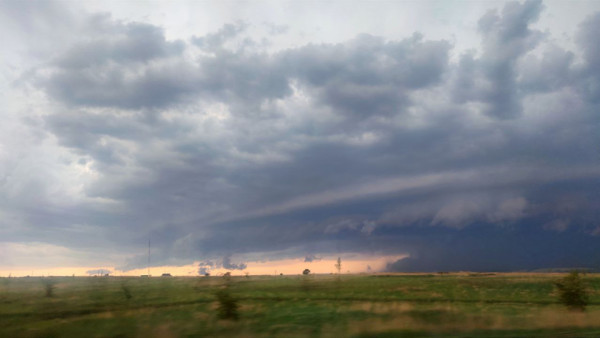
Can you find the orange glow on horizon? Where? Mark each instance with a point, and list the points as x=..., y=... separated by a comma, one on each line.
x=351, y=263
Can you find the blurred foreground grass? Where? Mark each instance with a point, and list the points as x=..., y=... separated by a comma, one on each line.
x=448, y=305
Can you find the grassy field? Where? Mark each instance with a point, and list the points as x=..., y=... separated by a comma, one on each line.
x=448, y=305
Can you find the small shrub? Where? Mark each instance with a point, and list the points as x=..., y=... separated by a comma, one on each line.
x=49, y=286
x=227, y=305
x=126, y=291
x=572, y=291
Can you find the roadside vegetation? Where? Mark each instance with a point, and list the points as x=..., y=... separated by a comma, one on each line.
x=572, y=291
x=438, y=305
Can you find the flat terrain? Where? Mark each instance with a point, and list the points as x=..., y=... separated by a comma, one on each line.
x=435, y=305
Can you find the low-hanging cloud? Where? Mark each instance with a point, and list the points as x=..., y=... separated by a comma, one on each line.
x=311, y=258
x=227, y=264
x=101, y=272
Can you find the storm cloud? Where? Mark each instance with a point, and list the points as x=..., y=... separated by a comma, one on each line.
x=227, y=264
x=216, y=144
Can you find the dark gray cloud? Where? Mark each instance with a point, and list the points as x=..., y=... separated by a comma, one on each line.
x=552, y=71
x=492, y=78
x=368, y=76
x=203, y=271
x=360, y=78
x=501, y=249
x=120, y=43
x=133, y=66
x=205, y=267
x=232, y=266
x=121, y=86
x=214, y=146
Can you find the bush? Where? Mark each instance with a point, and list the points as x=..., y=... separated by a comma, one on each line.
x=126, y=291
x=49, y=286
x=227, y=305
x=572, y=291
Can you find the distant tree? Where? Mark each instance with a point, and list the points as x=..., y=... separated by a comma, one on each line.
x=572, y=291
x=338, y=265
x=49, y=285
x=306, y=272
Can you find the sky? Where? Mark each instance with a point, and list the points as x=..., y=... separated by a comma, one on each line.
x=266, y=137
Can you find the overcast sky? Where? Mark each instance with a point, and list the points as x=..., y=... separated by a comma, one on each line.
x=465, y=135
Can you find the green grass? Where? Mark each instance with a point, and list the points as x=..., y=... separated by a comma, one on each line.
x=449, y=305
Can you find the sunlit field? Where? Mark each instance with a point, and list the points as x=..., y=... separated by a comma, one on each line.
x=462, y=305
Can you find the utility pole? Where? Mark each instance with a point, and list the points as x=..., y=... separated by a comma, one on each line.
x=148, y=256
